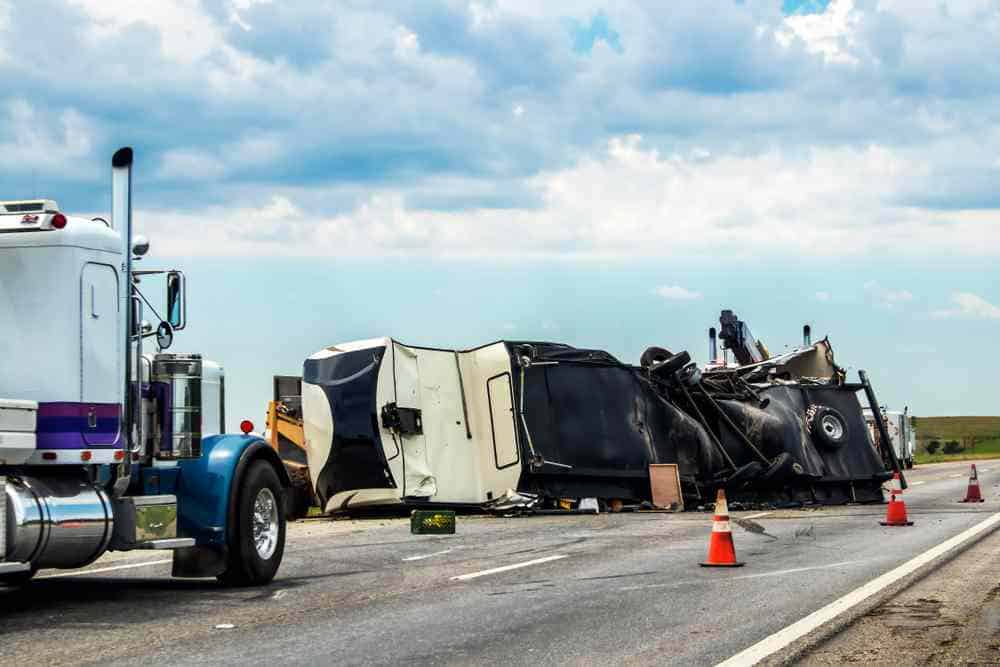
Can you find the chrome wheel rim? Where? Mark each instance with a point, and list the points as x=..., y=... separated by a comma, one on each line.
x=265, y=523
x=832, y=427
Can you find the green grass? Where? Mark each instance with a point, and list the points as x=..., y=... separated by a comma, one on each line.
x=979, y=435
x=986, y=449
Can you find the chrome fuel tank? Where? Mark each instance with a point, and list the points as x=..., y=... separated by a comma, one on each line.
x=55, y=521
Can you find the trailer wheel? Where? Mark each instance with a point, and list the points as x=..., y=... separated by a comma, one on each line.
x=257, y=541
x=829, y=427
x=17, y=579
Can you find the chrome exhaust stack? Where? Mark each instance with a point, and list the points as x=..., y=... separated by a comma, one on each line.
x=121, y=220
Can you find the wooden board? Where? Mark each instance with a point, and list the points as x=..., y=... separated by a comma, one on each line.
x=665, y=483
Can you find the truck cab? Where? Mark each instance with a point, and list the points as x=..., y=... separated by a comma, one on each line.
x=107, y=440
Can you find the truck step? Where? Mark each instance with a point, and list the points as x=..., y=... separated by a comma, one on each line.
x=10, y=568
x=170, y=543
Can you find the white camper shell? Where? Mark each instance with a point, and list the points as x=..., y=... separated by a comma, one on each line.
x=460, y=448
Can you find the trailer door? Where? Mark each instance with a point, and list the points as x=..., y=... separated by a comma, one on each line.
x=417, y=478
x=501, y=398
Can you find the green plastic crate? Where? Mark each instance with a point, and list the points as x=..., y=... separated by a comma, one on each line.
x=432, y=522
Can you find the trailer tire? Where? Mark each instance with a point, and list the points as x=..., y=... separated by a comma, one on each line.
x=654, y=355
x=257, y=540
x=17, y=579
x=782, y=467
x=829, y=427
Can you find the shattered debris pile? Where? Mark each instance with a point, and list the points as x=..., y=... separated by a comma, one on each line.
x=393, y=424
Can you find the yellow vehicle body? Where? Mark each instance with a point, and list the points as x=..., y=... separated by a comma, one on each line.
x=285, y=435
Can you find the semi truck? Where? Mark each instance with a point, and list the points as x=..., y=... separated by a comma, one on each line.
x=108, y=441
x=900, y=430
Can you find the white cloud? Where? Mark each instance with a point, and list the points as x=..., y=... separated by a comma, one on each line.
x=676, y=293
x=821, y=296
x=829, y=33
x=190, y=165
x=187, y=33
x=969, y=305
x=890, y=299
x=634, y=201
x=36, y=139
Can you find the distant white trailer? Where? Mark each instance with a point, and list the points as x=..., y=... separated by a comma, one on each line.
x=901, y=433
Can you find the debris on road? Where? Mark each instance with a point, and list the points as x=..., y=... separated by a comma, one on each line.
x=393, y=425
x=752, y=526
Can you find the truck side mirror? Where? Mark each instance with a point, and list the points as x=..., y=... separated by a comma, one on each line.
x=176, y=303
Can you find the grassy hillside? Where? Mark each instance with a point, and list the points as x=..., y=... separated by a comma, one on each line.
x=979, y=435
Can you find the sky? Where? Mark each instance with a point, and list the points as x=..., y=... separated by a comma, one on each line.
x=607, y=175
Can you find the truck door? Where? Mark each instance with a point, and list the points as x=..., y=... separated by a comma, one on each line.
x=417, y=478
x=100, y=359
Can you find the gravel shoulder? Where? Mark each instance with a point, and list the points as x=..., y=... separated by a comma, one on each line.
x=952, y=616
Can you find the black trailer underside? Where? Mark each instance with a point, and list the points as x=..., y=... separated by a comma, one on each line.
x=591, y=426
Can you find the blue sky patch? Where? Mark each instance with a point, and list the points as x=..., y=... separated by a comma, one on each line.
x=804, y=6
x=584, y=36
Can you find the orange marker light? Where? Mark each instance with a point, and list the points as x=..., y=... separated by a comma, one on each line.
x=85, y=456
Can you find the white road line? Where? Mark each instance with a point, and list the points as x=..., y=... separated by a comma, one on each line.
x=800, y=628
x=923, y=481
x=505, y=568
x=757, y=516
x=423, y=556
x=80, y=573
x=953, y=476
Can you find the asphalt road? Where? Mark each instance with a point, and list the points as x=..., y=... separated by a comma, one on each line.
x=625, y=588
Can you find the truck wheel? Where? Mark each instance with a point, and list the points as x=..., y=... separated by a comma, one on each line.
x=17, y=579
x=829, y=427
x=257, y=541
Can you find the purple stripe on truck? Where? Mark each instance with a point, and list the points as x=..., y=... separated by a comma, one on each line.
x=78, y=425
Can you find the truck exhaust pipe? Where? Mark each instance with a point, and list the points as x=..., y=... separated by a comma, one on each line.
x=121, y=220
x=713, y=346
x=806, y=336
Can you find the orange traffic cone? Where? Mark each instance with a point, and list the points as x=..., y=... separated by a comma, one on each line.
x=895, y=486
x=972, y=494
x=721, y=552
x=895, y=513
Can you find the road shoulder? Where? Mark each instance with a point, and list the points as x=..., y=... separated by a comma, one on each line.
x=951, y=616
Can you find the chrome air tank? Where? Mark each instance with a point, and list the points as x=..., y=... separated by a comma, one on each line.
x=55, y=521
x=177, y=384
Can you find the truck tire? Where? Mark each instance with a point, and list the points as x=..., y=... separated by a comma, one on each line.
x=257, y=540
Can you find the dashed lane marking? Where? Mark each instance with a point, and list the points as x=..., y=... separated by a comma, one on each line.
x=757, y=516
x=804, y=626
x=423, y=556
x=505, y=568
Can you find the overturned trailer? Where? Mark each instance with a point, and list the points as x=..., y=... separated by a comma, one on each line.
x=387, y=423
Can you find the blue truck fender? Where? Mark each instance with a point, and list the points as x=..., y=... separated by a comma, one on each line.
x=207, y=489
